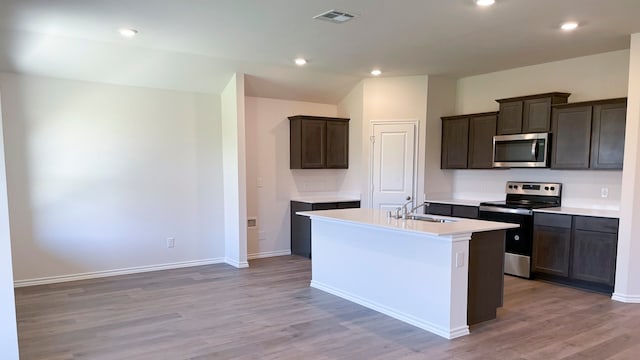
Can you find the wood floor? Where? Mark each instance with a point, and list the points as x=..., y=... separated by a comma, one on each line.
x=268, y=311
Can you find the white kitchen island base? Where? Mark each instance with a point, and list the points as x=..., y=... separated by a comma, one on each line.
x=396, y=267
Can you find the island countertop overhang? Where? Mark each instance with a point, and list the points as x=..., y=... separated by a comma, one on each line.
x=378, y=219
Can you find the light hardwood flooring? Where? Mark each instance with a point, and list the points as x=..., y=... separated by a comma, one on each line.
x=268, y=311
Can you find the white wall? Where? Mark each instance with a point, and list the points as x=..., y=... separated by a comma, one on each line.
x=100, y=175
x=352, y=106
x=8, y=330
x=592, y=77
x=234, y=172
x=441, y=101
x=270, y=182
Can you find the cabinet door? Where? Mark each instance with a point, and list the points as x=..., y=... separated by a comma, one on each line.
x=607, y=138
x=594, y=256
x=571, y=140
x=337, y=144
x=536, y=115
x=438, y=209
x=300, y=230
x=510, y=118
x=313, y=142
x=463, y=211
x=551, y=247
x=481, y=132
x=455, y=143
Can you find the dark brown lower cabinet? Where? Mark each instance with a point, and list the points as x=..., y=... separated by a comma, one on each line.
x=301, y=225
x=576, y=250
x=551, y=244
x=461, y=211
x=485, y=288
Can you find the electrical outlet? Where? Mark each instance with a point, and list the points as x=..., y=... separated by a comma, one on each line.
x=171, y=242
x=604, y=192
x=460, y=259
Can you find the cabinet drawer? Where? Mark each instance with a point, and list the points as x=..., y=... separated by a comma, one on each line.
x=463, y=211
x=438, y=209
x=561, y=221
x=596, y=224
x=349, y=205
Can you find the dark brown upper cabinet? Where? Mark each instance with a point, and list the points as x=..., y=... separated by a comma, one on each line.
x=455, y=142
x=467, y=141
x=482, y=128
x=528, y=114
x=589, y=135
x=607, y=136
x=571, y=132
x=318, y=142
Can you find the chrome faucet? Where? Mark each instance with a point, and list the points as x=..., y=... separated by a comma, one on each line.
x=417, y=207
x=404, y=208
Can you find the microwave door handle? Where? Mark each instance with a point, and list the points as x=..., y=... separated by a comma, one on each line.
x=534, y=149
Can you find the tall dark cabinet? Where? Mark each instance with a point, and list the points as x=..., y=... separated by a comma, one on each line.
x=318, y=142
x=528, y=114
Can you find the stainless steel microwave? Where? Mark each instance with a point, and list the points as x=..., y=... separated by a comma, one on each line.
x=521, y=150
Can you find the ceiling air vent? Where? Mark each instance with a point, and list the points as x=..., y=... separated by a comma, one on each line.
x=335, y=16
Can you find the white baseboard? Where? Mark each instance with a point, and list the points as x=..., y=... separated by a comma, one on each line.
x=425, y=325
x=236, y=263
x=267, y=254
x=632, y=299
x=115, y=272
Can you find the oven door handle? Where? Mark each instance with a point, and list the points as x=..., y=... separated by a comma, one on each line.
x=506, y=210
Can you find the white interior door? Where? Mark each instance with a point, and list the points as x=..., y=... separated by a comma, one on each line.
x=393, y=164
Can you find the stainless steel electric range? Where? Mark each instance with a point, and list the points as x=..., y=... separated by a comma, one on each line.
x=517, y=208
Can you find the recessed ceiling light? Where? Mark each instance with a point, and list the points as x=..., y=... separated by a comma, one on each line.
x=300, y=61
x=568, y=26
x=485, y=2
x=376, y=72
x=128, y=33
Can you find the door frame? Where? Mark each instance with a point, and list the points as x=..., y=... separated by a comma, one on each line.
x=416, y=147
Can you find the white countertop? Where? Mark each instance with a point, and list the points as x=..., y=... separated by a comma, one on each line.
x=317, y=199
x=581, y=211
x=464, y=202
x=378, y=218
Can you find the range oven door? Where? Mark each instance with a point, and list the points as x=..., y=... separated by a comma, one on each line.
x=521, y=150
x=518, y=242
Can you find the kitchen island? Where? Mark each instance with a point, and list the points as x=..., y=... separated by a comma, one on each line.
x=438, y=276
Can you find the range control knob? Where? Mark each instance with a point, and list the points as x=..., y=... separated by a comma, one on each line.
x=517, y=237
x=546, y=188
x=553, y=188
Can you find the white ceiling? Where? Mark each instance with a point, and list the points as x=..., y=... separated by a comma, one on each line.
x=196, y=45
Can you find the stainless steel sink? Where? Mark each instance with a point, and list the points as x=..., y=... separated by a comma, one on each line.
x=420, y=217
